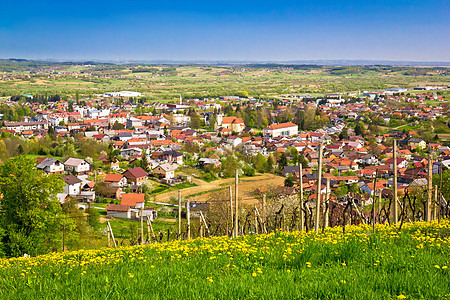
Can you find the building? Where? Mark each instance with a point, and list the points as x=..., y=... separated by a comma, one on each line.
x=51, y=165
x=136, y=200
x=23, y=126
x=118, y=211
x=417, y=143
x=283, y=130
x=136, y=175
x=231, y=124
x=73, y=185
x=166, y=171
x=77, y=166
x=116, y=180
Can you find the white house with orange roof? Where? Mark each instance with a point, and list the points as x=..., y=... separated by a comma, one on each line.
x=283, y=129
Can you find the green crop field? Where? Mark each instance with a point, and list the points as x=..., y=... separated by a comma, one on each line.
x=411, y=263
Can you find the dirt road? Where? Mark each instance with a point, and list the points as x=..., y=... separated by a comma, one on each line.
x=246, y=187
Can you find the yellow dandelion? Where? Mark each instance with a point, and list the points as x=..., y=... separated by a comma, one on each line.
x=444, y=267
x=254, y=274
x=401, y=296
x=130, y=275
x=437, y=266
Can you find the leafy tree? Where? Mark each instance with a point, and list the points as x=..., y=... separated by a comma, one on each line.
x=93, y=218
x=270, y=163
x=144, y=162
x=359, y=128
x=117, y=126
x=30, y=209
x=289, y=181
x=283, y=161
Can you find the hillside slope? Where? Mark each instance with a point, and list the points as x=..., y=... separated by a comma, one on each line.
x=410, y=263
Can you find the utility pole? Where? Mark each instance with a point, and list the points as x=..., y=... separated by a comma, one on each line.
x=188, y=216
x=395, y=183
x=179, y=214
x=319, y=185
x=302, y=213
x=430, y=188
x=236, y=217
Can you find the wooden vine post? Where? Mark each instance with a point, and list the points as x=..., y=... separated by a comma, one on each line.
x=179, y=215
x=302, y=213
x=429, y=188
x=319, y=185
x=395, y=183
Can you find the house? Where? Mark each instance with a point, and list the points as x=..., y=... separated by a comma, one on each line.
x=117, y=180
x=401, y=162
x=283, y=129
x=203, y=162
x=73, y=185
x=136, y=175
x=172, y=156
x=51, y=165
x=290, y=170
x=166, y=171
x=118, y=211
x=113, y=165
x=104, y=190
x=369, y=187
x=234, y=140
x=417, y=143
x=126, y=153
x=369, y=159
x=136, y=200
x=232, y=124
x=77, y=166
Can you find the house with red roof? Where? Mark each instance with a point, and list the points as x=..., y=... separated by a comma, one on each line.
x=281, y=130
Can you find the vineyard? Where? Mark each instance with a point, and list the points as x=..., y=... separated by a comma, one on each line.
x=362, y=263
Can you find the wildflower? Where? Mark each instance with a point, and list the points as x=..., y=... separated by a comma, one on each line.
x=130, y=275
x=343, y=281
x=444, y=267
x=289, y=271
x=401, y=296
x=254, y=274
x=344, y=264
x=437, y=266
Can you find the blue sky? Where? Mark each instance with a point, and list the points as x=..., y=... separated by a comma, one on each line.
x=406, y=30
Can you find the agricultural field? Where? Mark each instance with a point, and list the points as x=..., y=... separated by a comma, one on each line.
x=168, y=82
x=407, y=263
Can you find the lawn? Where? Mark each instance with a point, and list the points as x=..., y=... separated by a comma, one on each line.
x=410, y=263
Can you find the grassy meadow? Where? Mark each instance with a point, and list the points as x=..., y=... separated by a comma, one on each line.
x=410, y=263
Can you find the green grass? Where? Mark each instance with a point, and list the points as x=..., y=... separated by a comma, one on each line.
x=411, y=263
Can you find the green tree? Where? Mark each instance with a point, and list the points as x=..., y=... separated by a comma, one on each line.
x=93, y=218
x=289, y=181
x=30, y=209
x=144, y=162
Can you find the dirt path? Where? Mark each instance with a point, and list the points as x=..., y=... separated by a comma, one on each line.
x=246, y=187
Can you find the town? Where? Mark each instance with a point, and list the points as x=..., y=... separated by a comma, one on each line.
x=127, y=156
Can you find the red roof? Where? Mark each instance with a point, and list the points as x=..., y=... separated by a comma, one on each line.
x=113, y=177
x=282, y=125
x=132, y=198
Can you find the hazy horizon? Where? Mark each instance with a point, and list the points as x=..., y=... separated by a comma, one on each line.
x=256, y=31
